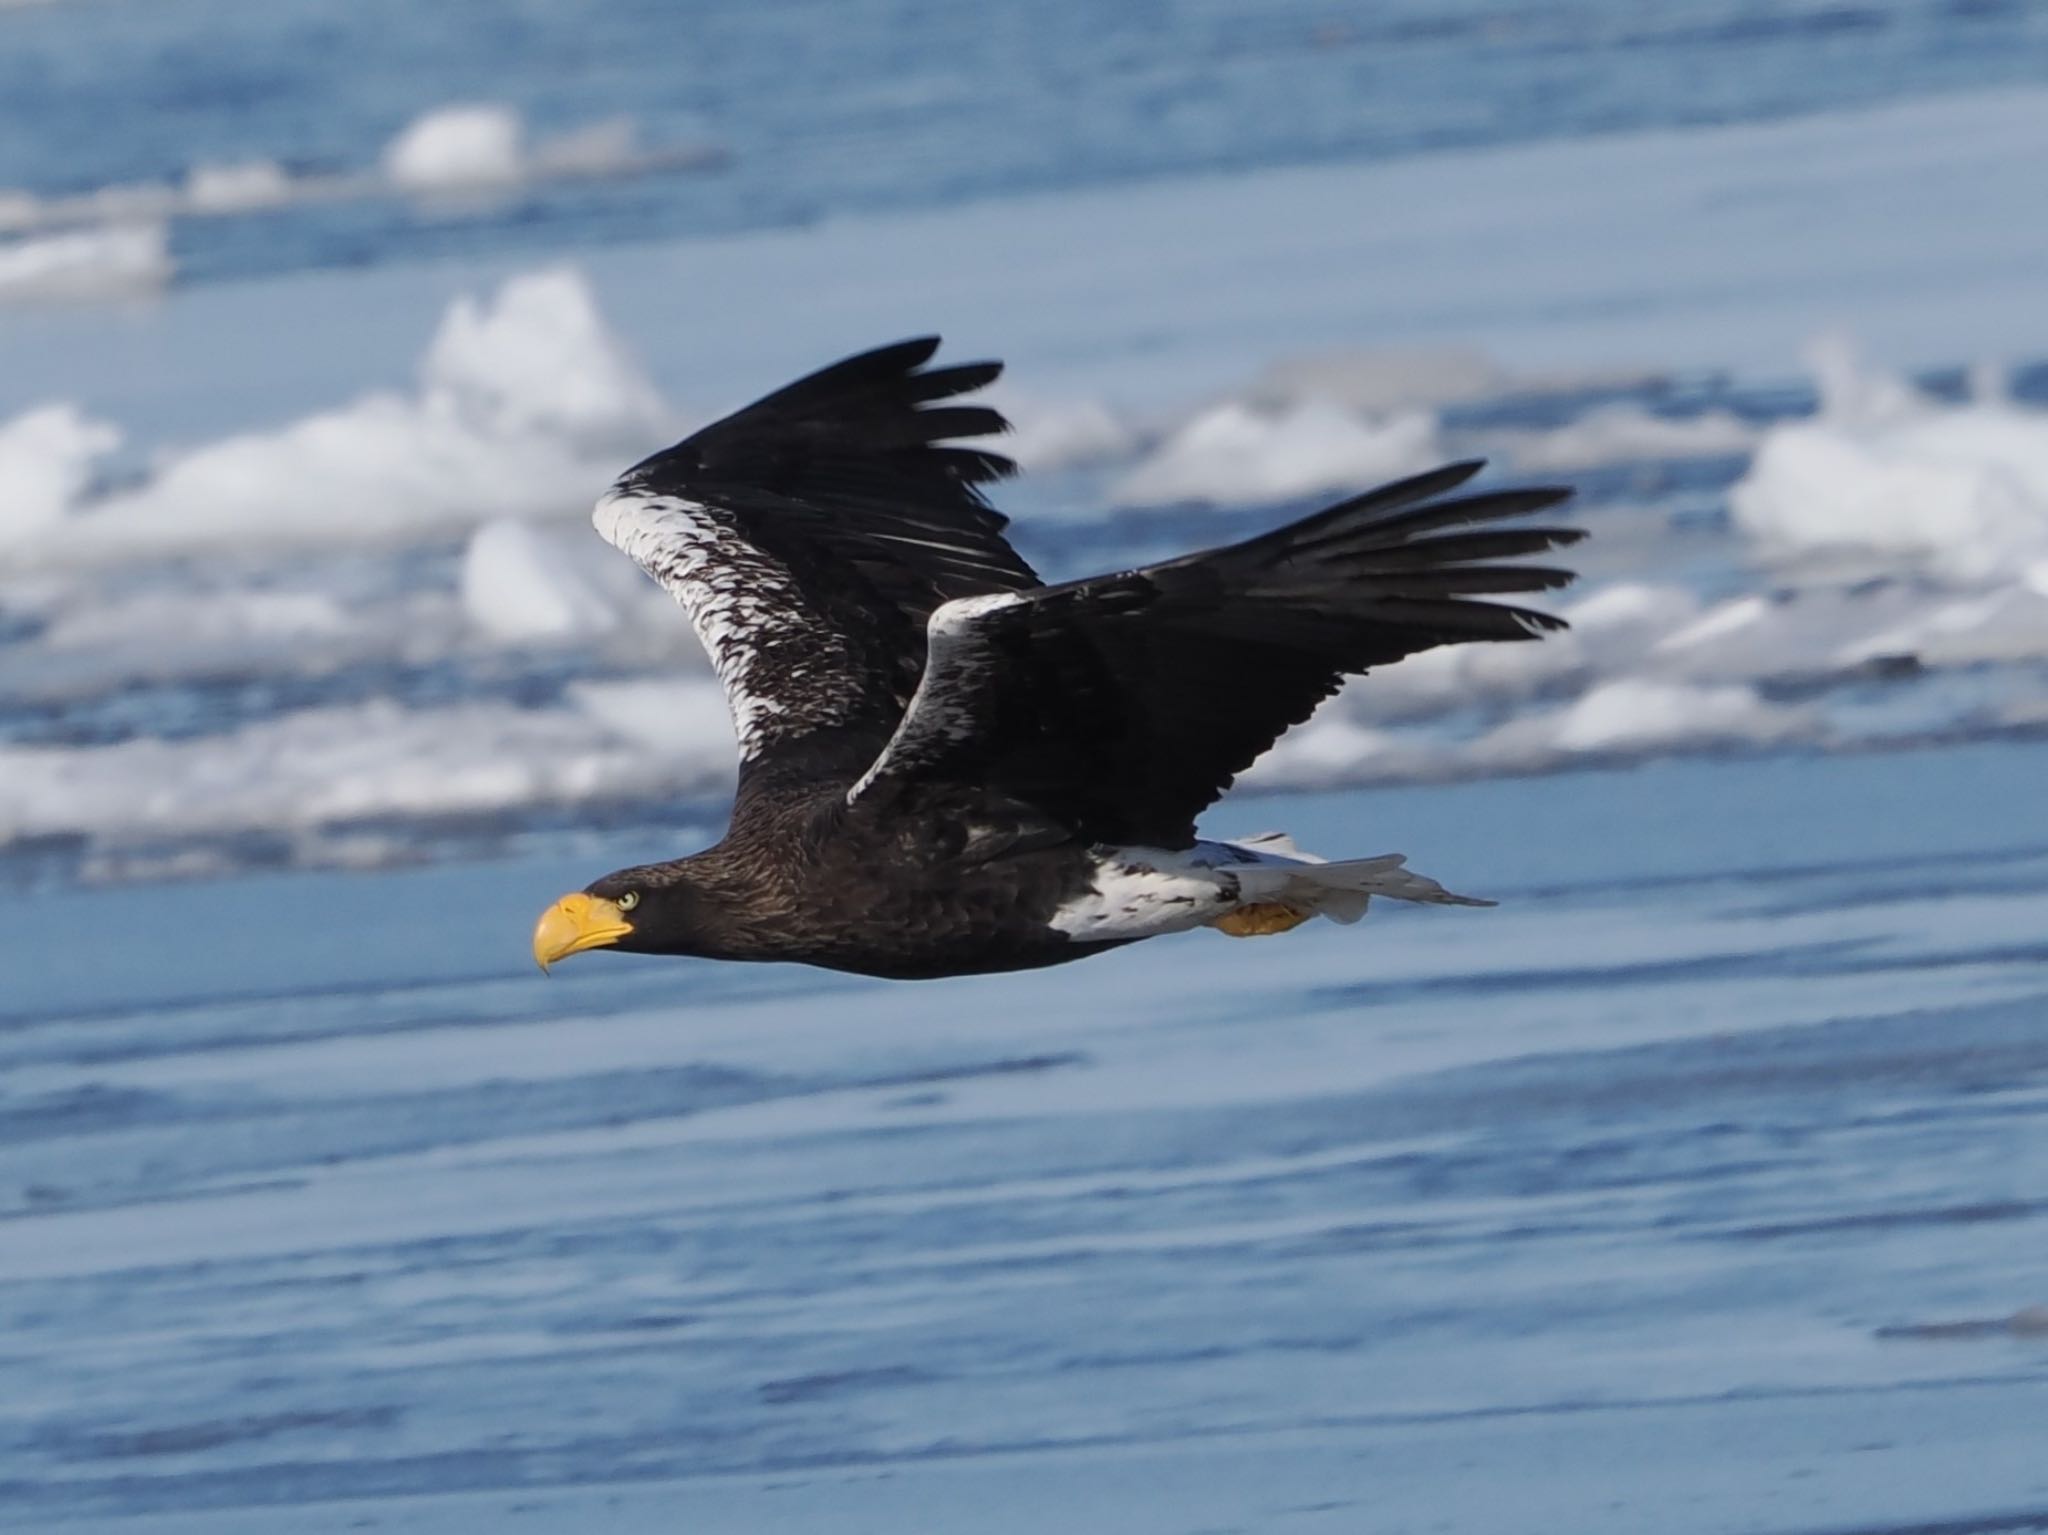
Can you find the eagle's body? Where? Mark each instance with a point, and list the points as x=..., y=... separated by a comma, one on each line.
x=950, y=768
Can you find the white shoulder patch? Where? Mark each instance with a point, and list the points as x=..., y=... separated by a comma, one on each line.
x=942, y=709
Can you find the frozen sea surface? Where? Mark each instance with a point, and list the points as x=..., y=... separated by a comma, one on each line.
x=1696, y=1188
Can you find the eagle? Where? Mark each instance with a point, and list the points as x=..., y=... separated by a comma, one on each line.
x=949, y=767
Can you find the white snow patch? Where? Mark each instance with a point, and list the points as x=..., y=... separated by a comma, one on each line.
x=1063, y=434
x=1621, y=433
x=237, y=187
x=97, y=263
x=459, y=147
x=47, y=459
x=516, y=586
x=538, y=358
x=1612, y=629
x=2008, y=624
x=319, y=766
x=1717, y=624
x=1331, y=749
x=485, y=147
x=526, y=404
x=19, y=210
x=1884, y=474
x=1634, y=714
x=1235, y=453
x=683, y=720
x=216, y=623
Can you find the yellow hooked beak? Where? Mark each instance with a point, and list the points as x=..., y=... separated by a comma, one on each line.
x=575, y=923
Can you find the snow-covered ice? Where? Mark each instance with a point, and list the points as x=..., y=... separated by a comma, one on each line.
x=47, y=460
x=1235, y=453
x=118, y=260
x=1961, y=490
x=515, y=586
x=237, y=186
x=463, y=146
x=524, y=402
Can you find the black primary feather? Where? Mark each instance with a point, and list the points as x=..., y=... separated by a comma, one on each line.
x=1123, y=705
x=840, y=511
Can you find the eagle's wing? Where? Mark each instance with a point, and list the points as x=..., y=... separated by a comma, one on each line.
x=811, y=535
x=1125, y=704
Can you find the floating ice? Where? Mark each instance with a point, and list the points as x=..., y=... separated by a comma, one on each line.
x=237, y=187
x=223, y=621
x=321, y=766
x=1883, y=474
x=459, y=147
x=484, y=146
x=681, y=719
x=1332, y=749
x=19, y=210
x=1633, y=715
x=1062, y=434
x=1235, y=453
x=47, y=459
x=86, y=263
x=2007, y=624
x=526, y=406
x=516, y=587
x=1623, y=433
x=538, y=358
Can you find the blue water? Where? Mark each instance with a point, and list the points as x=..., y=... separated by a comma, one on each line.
x=1664, y=1192
x=829, y=106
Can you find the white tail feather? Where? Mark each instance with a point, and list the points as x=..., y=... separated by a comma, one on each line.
x=1340, y=891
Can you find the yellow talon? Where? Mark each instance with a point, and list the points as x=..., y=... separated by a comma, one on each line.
x=1260, y=919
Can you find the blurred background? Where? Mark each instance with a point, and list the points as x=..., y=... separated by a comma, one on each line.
x=1701, y=1186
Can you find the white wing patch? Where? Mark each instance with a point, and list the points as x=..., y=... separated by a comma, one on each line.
x=744, y=605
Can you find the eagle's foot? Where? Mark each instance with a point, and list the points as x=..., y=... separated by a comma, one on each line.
x=1259, y=919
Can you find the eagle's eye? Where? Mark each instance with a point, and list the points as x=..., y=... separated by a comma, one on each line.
x=629, y=900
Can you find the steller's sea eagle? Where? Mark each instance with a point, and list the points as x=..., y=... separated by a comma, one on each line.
x=948, y=767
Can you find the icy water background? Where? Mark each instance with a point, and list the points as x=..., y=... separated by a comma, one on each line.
x=1699, y=1187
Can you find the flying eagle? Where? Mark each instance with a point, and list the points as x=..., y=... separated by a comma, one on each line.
x=948, y=767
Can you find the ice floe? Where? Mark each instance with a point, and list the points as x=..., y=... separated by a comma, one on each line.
x=1063, y=434
x=1238, y=453
x=47, y=460
x=1626, y=433
x=114, y=240
x=318, y=767
x=237, y=186
x=459, y=146
x=111, y=261
x=526, y=405
x=479, y=146
x=1885, y=476
x=516, y=587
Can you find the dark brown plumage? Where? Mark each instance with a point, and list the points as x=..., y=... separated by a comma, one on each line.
x=948, y=767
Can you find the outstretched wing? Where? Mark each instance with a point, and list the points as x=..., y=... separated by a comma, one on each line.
x=1124, y=705
x=812, y=535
